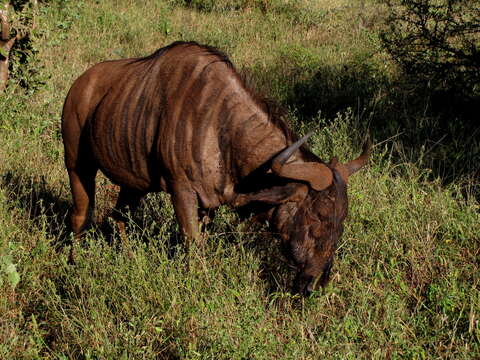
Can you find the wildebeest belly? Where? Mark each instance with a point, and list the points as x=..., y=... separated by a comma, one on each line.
x=142, y=150
x=122, y=134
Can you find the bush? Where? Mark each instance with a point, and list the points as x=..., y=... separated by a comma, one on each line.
x=436, y=41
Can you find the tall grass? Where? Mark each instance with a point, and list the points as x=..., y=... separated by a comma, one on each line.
x=405, y=282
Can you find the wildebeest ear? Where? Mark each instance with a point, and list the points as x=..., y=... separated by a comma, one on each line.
x=318, y=175
x=345, y=170
x=274, y=195
x=355, y=165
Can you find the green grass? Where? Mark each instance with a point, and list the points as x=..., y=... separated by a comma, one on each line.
x=405, y=282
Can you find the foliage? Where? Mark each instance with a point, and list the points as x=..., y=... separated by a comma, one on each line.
x=215, y=5
x=437, y=45
x=437, y=41
x=9, y=271
x=23, y=66
x=297, y=12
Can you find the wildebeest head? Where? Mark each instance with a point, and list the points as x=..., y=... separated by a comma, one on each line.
x=311, y=222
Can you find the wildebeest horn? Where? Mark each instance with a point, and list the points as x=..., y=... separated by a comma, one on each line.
x=282, y=158
x=316, y=174
x=355, y=165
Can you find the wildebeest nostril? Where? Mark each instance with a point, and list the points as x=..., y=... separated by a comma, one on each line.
x=310, y=287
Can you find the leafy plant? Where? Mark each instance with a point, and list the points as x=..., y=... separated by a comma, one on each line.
x=437, y=41
x=18, y=23
x=8, y=270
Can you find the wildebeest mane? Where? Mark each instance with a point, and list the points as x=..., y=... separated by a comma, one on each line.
x=277, y=114
x=210, y=50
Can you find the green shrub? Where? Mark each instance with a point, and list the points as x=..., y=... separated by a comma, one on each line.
x=436, y=41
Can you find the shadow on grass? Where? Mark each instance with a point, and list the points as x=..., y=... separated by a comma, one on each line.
x=258, y=239
x=45, y=208
x=35, y=200
x=38, y=201
x=332, y=89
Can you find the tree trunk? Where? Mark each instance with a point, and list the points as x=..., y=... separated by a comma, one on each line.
x=6, y=44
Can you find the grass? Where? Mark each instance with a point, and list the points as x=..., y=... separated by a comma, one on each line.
x=405, y=282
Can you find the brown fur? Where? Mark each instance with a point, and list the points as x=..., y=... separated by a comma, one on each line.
x=182, y=121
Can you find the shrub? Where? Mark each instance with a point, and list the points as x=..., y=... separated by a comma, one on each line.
x=437, y=41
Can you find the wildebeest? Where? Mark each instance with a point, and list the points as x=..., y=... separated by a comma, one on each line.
x=183, y=121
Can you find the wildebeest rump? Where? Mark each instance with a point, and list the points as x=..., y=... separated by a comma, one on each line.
x=182, y=121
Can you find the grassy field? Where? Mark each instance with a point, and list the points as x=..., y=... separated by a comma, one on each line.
x=405, y=283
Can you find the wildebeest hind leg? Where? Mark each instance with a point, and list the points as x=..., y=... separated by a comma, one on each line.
x=128, y=200
x=82, y=184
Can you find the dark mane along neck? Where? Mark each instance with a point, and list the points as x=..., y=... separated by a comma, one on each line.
x=205, y=49
x=277, y=115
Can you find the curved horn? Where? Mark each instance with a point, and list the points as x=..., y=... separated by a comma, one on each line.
x=355, y=165
x=318, y=175
x=282, y=158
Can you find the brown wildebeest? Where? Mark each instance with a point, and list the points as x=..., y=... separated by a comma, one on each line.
x=182, y=121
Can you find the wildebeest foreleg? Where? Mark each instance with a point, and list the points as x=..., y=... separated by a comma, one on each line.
x=185, y=203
